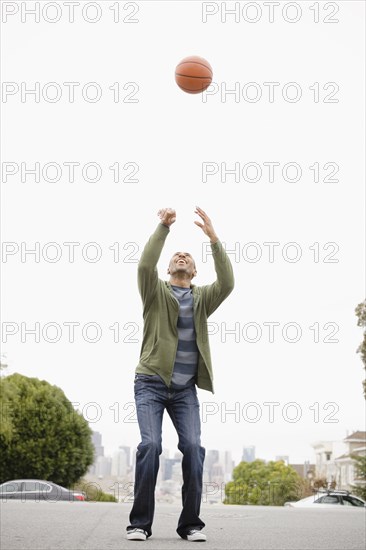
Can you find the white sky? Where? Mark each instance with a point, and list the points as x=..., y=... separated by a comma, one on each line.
x=168, y=135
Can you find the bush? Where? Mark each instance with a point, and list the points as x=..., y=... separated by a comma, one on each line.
x=264, y=484
x=93, y=492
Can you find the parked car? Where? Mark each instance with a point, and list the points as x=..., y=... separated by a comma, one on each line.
x=328, y=499
x=38, y=489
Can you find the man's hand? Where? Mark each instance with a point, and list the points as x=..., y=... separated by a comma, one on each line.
x=167, y=216
x=206, y=226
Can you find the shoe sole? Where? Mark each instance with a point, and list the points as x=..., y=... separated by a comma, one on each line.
x=196, y=538
x=136, y=537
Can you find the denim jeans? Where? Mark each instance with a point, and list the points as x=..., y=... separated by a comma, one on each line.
x=152, y=397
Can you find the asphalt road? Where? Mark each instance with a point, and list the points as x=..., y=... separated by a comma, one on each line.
x=101, y=526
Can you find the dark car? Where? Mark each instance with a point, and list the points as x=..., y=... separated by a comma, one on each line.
x=37, y=489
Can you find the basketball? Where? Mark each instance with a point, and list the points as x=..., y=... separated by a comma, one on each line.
x=193, y=74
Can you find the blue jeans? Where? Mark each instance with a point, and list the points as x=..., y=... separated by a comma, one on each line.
x=152, y=396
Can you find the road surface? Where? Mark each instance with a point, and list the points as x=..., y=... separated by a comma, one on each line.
x=101, y=526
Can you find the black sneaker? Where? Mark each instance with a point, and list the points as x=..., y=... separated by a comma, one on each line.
x=195, y=535
x=136, y=534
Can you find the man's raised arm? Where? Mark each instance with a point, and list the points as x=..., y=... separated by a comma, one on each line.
x=147, y=273
x=216, y=293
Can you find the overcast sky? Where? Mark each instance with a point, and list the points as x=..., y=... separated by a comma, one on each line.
x=292, y=212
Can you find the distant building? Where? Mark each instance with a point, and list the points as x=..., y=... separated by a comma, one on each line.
x=218, y=467
x=98, y=450
x=127, y=450
x=334, y=463
x=345, y=466
x=217, y=473
x=119, y=463
x=169, y=465
x=97, y=443
x=248, y=454
x=212, y=457
x=305, y=470
x=225, y=458
x=325, y=453
x=103, y=466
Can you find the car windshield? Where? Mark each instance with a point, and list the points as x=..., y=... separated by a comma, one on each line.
x=352, y=501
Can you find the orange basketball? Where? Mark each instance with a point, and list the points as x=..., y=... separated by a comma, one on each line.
x=193, y=74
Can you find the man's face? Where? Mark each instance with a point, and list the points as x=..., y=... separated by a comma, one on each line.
x=182, y=262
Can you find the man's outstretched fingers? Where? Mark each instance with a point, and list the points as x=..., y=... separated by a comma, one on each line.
x=202, y=211
x=202, y=214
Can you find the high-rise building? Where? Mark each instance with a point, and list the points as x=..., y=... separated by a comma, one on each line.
x=97, y=443
x=212, y=457
x=98, y=450
x=103, y=466
x=128, y=454
x=248, y=454
x=119, y=463
x=225, y=459
x=169, y=465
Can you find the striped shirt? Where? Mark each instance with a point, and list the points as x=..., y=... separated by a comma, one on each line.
x=186, y=359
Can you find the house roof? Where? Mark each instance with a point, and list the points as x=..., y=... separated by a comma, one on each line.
x=360, y=436
x=348, y=455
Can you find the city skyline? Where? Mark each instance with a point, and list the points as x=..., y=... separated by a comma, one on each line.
x=175, y=454
x=333, y=461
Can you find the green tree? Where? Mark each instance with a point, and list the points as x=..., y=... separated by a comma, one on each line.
x=360, y=475
x=361, y=315
x=5, y=398
x=44, y=437
x=257, y=482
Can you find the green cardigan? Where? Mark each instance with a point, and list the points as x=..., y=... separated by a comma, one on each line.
x=160, y=311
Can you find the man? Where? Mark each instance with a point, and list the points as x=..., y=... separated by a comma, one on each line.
x=175, y=357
